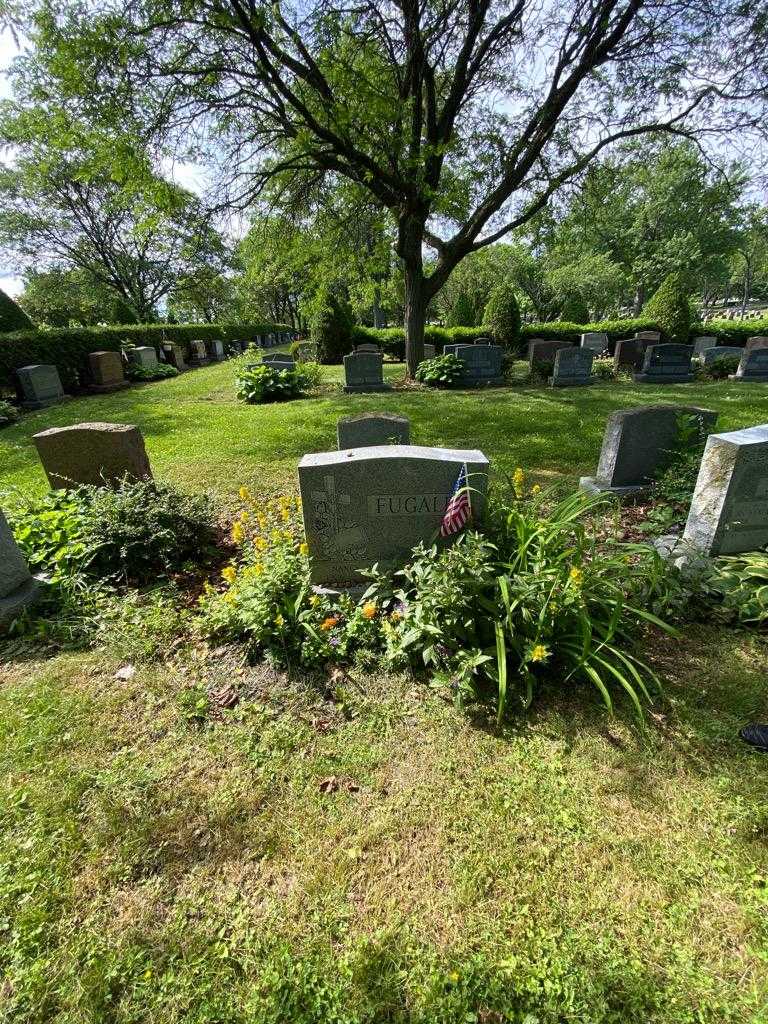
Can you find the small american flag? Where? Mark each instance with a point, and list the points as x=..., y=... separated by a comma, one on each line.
x=459, y=508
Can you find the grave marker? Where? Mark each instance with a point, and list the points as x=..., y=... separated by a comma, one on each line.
x=92, y=453
x=215, y=350
x=542, y=350
x=364, y=371
x=17, y=587
x=106, y=372
x=711, y=355
x=595, y=340
x=279, y=361
x=371, y=429
x=628, y=354
x=666, y=364
x=483, y=363
x=198, y=354
x=636, y=446
x=142, y=355
x=174, y=355
x=701, y=343
x=573, y=368
x=651, y=337
x=754, y=362
x=729, y=509
x=368, y=505
x=40, y=386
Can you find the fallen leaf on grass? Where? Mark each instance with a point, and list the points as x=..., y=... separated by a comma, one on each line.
x=334, y=783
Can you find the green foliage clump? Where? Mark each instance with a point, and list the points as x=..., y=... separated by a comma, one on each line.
x=126, y=534
x=12, y=316
x=736, y=587
x=161, y=371
x=670, y=308
x=265, y=383
x=719, y=369
x=574, y=310
x=441, y=372
x=8, y=413
x=673, y=488
x=331, y=329
x=462, y=313
x=502, y=317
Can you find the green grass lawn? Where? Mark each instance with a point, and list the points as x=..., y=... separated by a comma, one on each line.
x=356, y=849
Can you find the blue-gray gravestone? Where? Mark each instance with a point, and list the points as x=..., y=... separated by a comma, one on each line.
x=40, y=386
x=17, y=587
x=215, y=350
x=711, y=355
x=753, y=365
x=368, y=505
x=372, y=428
x=596, y=340
x=142, y=355
x=364, y=371
x=701, y=343
x=106, y=371
x=483, y=362
x=542, y=350
x=637, y=445
x=573, y=368
x=666, y=364
x=92, y=453
x=729, y=508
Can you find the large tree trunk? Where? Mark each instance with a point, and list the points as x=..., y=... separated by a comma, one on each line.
x=415, y=307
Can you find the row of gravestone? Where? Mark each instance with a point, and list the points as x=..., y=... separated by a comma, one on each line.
x=40, y=385
x=377, y=496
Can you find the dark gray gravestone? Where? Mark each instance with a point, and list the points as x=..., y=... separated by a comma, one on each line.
x=17, y=587
x=280, y=361
x=628, y=354
x=198, y=354
x=701, y=343
x=215, y=350
x=482, y=362
x=637, y=444
x=666, y=364
x=92, y=453
x=754, y=362
x=236, y=347
x=373, y=428
x=106, y=372
x=541, y=350
x=142, y=355
x=729, y=508
x=364, y=371
x=429, y=351
x=367, y=346
x=711, y=355
x=573, y=368
x=368, y=505
x=40, y=386
x=174, y=354
x=595, y=340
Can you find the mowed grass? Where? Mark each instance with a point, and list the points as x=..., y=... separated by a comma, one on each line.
x=355, y=848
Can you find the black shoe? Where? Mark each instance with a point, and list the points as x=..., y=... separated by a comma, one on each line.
x=756, y=736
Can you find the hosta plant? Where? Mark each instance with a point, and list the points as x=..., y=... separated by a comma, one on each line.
x=441, y=372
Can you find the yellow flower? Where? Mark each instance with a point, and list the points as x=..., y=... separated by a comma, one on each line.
x=245, y=494
x=315, y=600
x=369, y=610
x=244, y=516
x=262, y=521
x=287, y=535
x=395, y=615
x=260, y=544
x=304, y=548
x=229, y=574
x=539, y=653
x=279, y=621
x=238, y=533
x=285, y=514
x=275, y=536
x=576, y=576
x=518, y=481
x=536, y=489
x=330, y=622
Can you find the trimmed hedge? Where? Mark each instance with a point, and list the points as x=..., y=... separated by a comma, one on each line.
x=670, y=307
x=68, y=348
x=731, y=332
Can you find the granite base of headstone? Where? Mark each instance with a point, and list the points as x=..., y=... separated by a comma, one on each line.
x=573, y=368
x=106, y=369
x=18, y=588
x=666, y=364
x=753, y=366
x=637, y=445
x=364, y=371
x=364, y=506
x=728, y=512
x=597, y=341
x=142, y=355
x=483, y=363
x=92, y=453
x=371, y=429
x=198, y=353
x=40, y=386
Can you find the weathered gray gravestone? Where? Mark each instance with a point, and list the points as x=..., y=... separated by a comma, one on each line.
x=637, y=445
x=17, y=587
x=483, y=362
x=542, y=350
x=142, y=355
x=429, y=351
x=628, y=354
x=701, y=343
x=364, y=371
x=653, y=337
x=198, y=354
x=754, y=362
x=40, y=386
x=92, y=453
x=280, y=361
x=757, y=341
x=215, y=350
x=368, y=505
x=367, y=346
x=371, y=429
x=174, y=354
x=573, y=368
x=711, y=355
x=729, y=509
x=666, y=364
x=107, y=371
x=595, y=340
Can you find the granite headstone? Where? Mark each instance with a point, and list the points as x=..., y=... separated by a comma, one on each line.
x=373, y=505
x=371, y=429
x=666, y=364
x=17, y=587
x=92, y=453
x=174, y=355
x=142, y=355
x=106, y=372
x=40, y=386
x=198, y=354
x=573, y=368
x=711, y=355
x=753, y=365
x=364, y=371
x=703, y=342
x=483, y=363
x=215, y=350
x=595, y=340
x=628, y=354
x=541, y=350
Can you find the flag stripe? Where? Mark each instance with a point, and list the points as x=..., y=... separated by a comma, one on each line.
x=458, y=509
